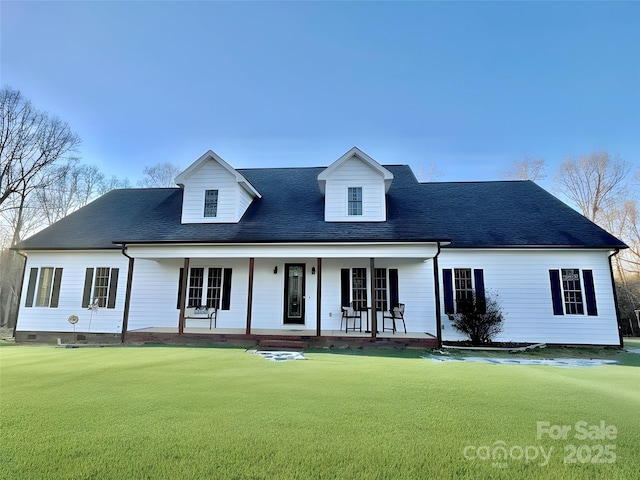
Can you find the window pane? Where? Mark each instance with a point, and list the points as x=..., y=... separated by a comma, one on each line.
x=572, y=291
x=44, y=287
x=359, y=288
x=214, y=287
x=101, y=286
x=380, y=294
x=196, y=282
x=354, y=196
x=211, y=203
x=464, y=287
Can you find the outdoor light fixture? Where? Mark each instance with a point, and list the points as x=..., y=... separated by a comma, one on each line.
x=313, y=270
x=275, y=270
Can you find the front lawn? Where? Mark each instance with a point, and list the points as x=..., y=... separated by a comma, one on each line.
x=172, y=412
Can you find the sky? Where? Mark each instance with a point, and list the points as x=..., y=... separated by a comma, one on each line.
x=467, y=86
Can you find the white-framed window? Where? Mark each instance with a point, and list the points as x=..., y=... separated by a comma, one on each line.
x=207, y=286
x=464, y=287
x=44, y=287
x=100, y=287
x=573, y=292
x=461, y=285
x=354, y=201
x=355, y=287
x=211, y=203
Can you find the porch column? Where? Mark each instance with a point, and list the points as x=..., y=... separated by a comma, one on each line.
x=127, y=299
x=436, y=282
x=374, y=316
x=183, y=295
x=318, y=297
x=250, y=295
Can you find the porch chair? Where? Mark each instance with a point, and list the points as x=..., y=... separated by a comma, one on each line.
x=395, y=314
x=349, y=313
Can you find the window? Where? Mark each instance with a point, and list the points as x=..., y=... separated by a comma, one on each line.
x=570, y=292
x=460, y=286
x=380, y=293
x=464, y=287
x=214, y=287
x=211, y=203
x=354, y=288
x=359, y=288
x=196, y=282
x=100, y=286
x=44, y=287
x=209, y=286
x=354, y=195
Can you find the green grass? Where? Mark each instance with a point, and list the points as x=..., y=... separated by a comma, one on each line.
x=171, y=412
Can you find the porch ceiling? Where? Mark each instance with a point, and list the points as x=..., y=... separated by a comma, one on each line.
x=314, y=250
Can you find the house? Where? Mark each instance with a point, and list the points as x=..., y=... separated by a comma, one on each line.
x=263, y=254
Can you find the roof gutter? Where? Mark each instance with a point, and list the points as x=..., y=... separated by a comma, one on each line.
x=24, y=272
x=615, y=294
x=436, y=283
x=127, y=297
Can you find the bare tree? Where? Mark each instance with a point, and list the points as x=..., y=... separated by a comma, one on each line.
x=592, y=182
x=112, y=183
x=160, y=175
x=30, y=141
x=70, y=187
x=526, y=169
x=428, y=174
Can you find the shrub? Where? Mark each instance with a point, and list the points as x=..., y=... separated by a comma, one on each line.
x=479, y=319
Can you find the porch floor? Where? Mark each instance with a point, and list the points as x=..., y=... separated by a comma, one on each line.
x=258, y=336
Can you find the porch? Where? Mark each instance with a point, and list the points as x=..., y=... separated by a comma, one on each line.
x=279, y=338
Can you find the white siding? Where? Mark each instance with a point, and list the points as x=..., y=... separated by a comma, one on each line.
x=521, y=279
x=154, y=294
x=268, y=294
x=415, y=288
x=355, y=173
x=212, y=176
x=74, y=265
x=244, y=200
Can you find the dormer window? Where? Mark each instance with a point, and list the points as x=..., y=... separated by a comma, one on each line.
x=354, y=196
x=211, y=203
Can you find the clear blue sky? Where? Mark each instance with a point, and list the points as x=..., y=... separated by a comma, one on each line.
x=469, y=86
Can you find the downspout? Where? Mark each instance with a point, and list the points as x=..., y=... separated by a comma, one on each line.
x=127, y=297
x=24, y=272
x=436, y=282
x=615, y=295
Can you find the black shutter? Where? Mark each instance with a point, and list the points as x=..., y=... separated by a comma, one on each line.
x=556, y=292
x=88, y=281
x=394, y=296
x=481, y=302
x=590, y=292
x=113, y=288
x=31, y=289
x=226, y=289
x=447, y=281
x=344, y=287
x=55, y=295
x=180, y=276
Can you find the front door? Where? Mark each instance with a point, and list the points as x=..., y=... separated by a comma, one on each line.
x=294, y=293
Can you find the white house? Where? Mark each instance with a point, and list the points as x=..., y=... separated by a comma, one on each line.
x=253, y=255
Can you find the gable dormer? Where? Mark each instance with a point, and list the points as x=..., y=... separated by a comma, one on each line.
x=214, y=192
x=354, y=188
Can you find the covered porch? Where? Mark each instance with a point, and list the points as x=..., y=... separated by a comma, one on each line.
x=259, y=293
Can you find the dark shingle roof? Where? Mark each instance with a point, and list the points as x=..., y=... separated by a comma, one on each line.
x=477, y=214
